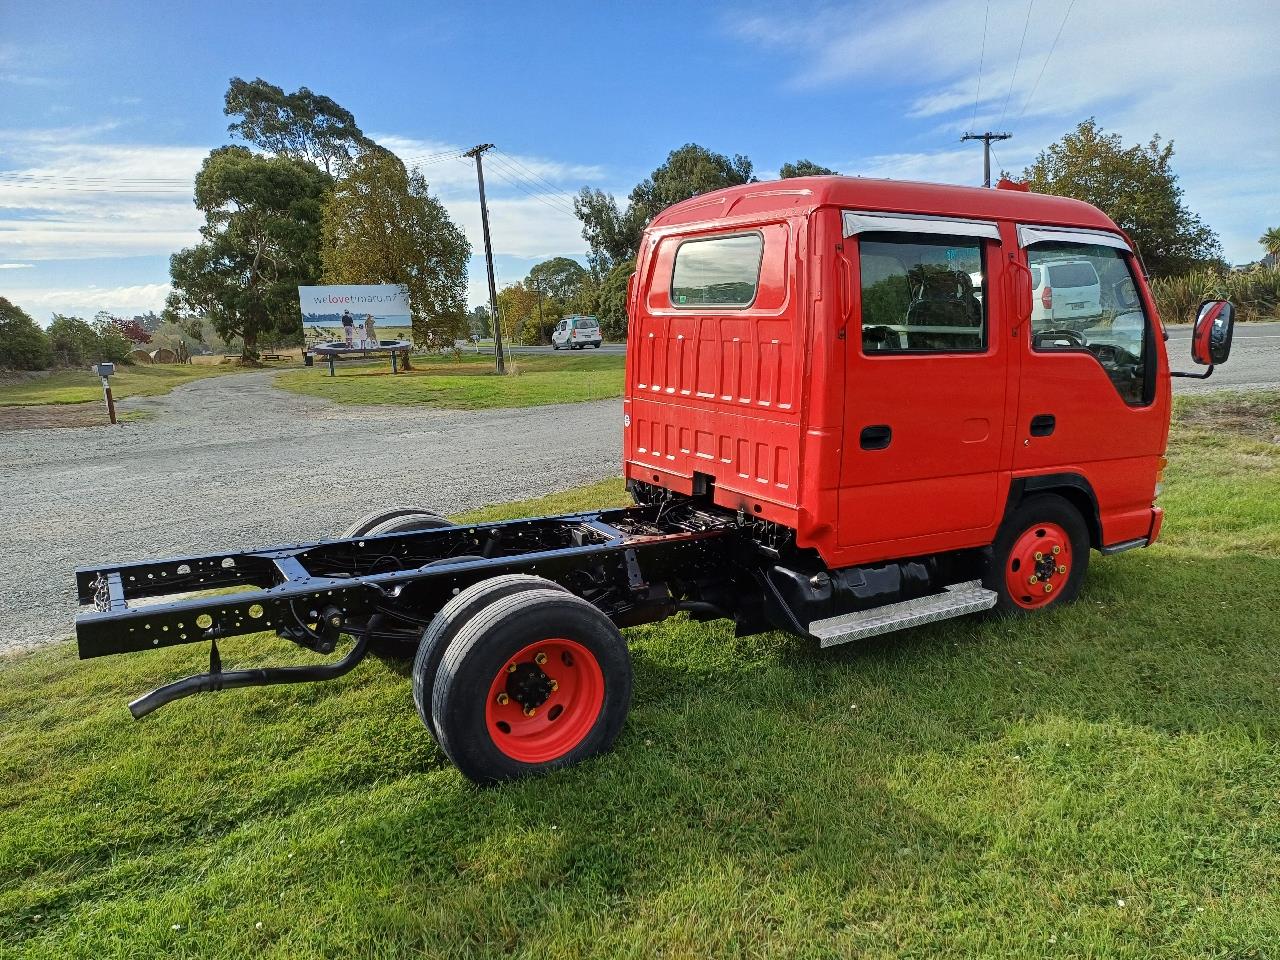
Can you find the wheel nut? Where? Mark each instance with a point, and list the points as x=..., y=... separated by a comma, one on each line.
x=530, y=711
x=1062, y=568
x=1033, y=580
x=555, y=685
x=540, y=659
x=1048, y=588
x=1056, y=549
x=511, y=668
x=503, y=699
x=1039, y=555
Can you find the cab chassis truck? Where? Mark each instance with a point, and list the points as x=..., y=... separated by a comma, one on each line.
x=843, y=416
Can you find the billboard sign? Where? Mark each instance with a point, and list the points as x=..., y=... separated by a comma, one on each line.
x=356, y=317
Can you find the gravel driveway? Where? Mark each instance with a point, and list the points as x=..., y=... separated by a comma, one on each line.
x=233, y=463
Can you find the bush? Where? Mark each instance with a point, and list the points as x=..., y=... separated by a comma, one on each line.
x=74, y=342
x=1255, y=293
x=23, y=345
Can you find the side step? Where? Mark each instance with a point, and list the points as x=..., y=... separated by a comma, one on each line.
x=956, y=601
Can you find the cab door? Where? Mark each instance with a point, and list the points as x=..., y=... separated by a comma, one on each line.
x=926, y=387
x=1093, y=395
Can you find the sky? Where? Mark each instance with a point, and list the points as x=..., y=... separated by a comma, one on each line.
x=107, y=108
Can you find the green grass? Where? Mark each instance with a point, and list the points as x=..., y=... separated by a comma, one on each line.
x=467, y=382
x=81, y=386
x=1099, y=781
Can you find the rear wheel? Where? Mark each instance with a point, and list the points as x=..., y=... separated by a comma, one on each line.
x=536, y=681
x=452, y=617
x=399, y=520
x=1040, y=556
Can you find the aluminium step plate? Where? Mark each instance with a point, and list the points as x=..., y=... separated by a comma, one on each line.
x=957, y=600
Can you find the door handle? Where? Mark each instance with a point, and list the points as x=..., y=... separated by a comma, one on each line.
x=1042, y=424
x=876, y=437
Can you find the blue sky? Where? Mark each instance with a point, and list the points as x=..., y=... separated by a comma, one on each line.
x=106, y=109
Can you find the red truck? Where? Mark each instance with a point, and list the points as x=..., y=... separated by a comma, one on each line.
x=844, y=415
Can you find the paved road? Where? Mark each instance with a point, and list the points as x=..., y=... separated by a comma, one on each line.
x=234, y=463
x=614, y=348
x=1254, y=362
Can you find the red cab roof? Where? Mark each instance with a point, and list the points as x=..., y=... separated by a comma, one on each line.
x=899, y=196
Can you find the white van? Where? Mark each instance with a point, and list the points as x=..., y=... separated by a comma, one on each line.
x=576, y=332
x=1067, y=294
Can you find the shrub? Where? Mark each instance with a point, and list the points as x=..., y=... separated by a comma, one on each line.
x=74, y=342
x=1255, y=293
x=23, y=345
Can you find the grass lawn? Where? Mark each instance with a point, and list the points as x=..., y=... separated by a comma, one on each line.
x=81, y=386
x=468, y=382
x=1100, y=781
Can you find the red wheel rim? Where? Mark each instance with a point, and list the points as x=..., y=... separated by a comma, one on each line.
x=1038, y=566
x=544, y=700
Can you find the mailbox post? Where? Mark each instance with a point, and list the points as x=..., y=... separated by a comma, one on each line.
x=105, y=370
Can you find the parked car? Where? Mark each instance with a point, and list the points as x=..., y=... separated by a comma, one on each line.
x=1067, y=294
x=577, y=332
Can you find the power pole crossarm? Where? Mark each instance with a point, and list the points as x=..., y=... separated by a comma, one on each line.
x=986, y=139
x=477, y=152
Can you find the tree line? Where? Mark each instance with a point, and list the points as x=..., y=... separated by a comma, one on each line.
x=1133, y=184
x=320, y=202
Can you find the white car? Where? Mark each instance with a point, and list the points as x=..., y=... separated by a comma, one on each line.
x=1066, y=294
x=576, y=332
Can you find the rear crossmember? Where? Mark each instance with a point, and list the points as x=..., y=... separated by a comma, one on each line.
x=624, y=561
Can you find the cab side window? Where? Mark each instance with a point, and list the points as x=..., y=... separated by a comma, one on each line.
x=1085, y=298
x=922, y=293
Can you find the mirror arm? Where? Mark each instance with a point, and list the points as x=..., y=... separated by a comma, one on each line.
x=1193, y=376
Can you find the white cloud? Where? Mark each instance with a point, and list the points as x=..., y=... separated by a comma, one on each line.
x=66, y=196
x=72, y=199
x=16, y=266
x=86, y=301
x=1201, y=74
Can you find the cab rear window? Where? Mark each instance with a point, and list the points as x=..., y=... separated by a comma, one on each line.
x=1072, y=275
x=717, y=272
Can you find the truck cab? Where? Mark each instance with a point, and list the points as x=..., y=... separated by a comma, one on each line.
x=863, y=363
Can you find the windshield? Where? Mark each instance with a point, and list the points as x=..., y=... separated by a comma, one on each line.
x=586, y=323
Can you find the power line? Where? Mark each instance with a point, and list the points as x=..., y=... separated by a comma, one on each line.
x=1016, y=62
x=540, y=189
x=982, y=59
x=1052, y=47
x=536, y=176
x=522, y=185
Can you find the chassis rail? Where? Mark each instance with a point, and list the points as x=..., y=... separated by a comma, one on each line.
x=311, y=593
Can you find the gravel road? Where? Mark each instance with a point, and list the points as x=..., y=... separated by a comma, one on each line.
x=234, y=463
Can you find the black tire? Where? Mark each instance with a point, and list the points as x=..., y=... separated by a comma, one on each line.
x=487, y=642
x=399, y=520
x=1026, y=519
x=449, y=620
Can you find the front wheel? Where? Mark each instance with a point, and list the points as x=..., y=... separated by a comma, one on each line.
x=1040, y=556
x=537, y=681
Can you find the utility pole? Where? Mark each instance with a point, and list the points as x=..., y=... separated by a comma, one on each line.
x=477, y=152
x=986, y=139
x=542, y=322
